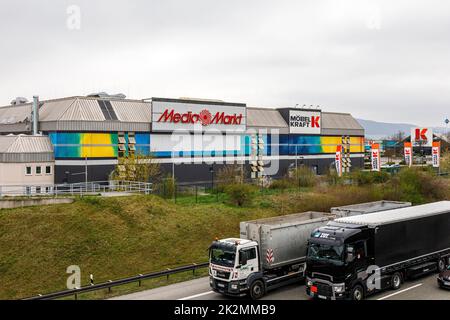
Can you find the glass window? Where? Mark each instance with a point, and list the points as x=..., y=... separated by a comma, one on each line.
x=38, y=189
x=251, y=254
x=222, y=257
x=28, y=171
x=48, y=170
x=326, y=252
x=359, y=249
x=38, y=170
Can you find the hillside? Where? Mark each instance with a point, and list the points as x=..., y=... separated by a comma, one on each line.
x=381, y=130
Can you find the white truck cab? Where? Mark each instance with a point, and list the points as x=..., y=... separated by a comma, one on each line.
x=232, y=262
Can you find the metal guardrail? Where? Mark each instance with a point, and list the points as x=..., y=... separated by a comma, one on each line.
x=110, y=284
x=73, y=189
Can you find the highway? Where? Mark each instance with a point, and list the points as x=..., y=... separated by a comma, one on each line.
x=424, y=288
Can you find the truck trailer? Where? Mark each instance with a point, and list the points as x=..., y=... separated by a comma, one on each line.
x=355, y=256
x=270, y=252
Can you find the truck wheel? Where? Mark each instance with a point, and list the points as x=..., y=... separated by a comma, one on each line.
x=441, y=265
x=357, y=293
x=257, y=290
x=396, y=281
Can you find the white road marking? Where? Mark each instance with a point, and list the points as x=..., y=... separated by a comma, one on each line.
x=196, y=295
x=401, y=291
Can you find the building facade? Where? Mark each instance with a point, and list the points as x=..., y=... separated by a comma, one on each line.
x=189, y=138
x=27, y=165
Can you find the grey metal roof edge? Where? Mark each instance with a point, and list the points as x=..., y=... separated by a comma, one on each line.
x=27, y=157
x=206, y=102
x=79, y=125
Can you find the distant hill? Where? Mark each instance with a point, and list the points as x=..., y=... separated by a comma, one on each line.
x=380, y=130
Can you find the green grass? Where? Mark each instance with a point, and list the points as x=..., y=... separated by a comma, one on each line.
x=113, y=238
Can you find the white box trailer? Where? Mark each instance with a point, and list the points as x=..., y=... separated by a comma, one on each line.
x=368, y=207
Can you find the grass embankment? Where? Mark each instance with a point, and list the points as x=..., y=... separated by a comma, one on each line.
x=118, y=237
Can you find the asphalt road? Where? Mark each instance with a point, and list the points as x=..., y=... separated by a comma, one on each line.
x=424, y=288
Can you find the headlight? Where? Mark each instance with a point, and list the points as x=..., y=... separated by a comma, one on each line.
x=234, y=286
x=339, y=288
x=309, y=283
x=210, y=280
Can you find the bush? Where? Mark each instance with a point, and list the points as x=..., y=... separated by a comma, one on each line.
x=240, y=194
x=381, y=177
x=167, y=188
x=333, y=178
x=229, y=174
x=362, y=178
x=281, y=184
x=305, y=177
x=418, y=186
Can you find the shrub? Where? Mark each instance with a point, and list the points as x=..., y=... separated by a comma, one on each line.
x=167, y=188
x=419, y=186
x=281, y=184
x=305, y=176
x=240, y=193
x=229, y=174
x=381, y=177
x=333, y=178
x=362, y=178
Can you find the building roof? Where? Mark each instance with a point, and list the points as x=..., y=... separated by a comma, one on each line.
x=89, y=109
x=15, y=114
x=114, y=114
x=397, y=215
x=263, y=117
x=340, y=123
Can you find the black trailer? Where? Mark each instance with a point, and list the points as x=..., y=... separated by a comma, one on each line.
x=355, y=256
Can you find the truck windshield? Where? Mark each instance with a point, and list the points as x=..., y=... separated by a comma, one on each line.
x=326, y=252
x=223, y=257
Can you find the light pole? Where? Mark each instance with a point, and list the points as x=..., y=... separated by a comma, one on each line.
x=211, y=169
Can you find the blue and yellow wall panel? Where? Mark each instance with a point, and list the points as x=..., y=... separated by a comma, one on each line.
x=74, y=145
x=304, y=145
x=82, y=145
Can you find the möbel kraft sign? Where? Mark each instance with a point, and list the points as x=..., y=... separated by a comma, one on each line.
x=172, y=116
x=303, y=121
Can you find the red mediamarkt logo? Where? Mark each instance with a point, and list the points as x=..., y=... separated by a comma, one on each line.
x=204, y=117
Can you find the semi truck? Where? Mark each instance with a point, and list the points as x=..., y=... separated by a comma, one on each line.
x=355, y=256
x=270, y=253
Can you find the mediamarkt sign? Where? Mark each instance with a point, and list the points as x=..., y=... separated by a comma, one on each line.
x=172, y=116
x=204, y=117
x=304, y=121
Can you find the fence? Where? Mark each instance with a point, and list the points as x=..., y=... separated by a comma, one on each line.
x=110, y=284
x=80, y=189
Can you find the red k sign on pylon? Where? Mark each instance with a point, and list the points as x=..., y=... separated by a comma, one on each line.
x=376, y=157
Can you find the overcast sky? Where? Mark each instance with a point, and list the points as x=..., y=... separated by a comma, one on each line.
x=379, y=60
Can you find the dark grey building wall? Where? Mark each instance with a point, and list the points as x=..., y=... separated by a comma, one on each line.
x=185, y=173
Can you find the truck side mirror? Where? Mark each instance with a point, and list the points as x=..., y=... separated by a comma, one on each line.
x=350, y=256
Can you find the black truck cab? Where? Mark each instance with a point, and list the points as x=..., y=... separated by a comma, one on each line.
x=338, y=258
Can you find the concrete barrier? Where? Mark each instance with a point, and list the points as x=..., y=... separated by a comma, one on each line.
x=18, y=203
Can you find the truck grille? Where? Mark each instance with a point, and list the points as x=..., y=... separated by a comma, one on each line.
x=324, y=289
x=223, y=275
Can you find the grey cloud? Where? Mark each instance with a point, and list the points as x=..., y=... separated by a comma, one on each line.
x=383, y=60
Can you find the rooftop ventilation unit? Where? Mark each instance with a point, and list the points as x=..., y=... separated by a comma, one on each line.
x=19, y=100
x=106, y=95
